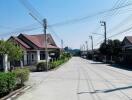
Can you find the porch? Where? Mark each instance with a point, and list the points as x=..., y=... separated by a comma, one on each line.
x=33, y=57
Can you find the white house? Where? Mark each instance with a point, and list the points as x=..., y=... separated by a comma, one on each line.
x=33, y=48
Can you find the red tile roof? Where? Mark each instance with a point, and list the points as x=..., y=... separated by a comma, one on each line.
x=39, y=40
x=33, y=41
x=21, y=42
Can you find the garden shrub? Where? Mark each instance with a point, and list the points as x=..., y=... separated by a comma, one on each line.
x=11, y=80
x=52, y=65
x=57, y=63
x=41, y=66
x=7, y=83
x=65, y=55
x=22, y=75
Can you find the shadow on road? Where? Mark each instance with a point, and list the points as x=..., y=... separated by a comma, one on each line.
x=121, y=66
x=125, y=67
x=107, y=91
x=116, y=89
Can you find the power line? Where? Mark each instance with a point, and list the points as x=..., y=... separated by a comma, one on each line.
x=56, y=35
x=19, y=31
x=123, y=22
x=5, y=27
x=34, y=11
x=115, y=12
x=117, y=4
x=35, y=14
x=53, y=31
x=31, y=9
x=126, y=30
x=73, y=21
x=27, y=28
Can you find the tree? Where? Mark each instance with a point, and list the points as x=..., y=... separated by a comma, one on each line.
x=111, y=48
x=103, y=49
x=117, y=47
x=14, y=52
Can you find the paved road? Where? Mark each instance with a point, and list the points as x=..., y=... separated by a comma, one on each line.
x=80, y=79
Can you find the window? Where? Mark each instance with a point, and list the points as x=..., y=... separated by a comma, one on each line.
x=42, y=55
x=32, y=57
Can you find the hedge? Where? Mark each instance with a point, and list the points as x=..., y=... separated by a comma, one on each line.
x=7, y=83
x=22, y=75
x=41, y=66
x=57, y=63
x=11, y=80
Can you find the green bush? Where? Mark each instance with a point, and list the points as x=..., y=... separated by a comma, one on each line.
x=41, y=66
x=7, y=83
x=57, y=63
x=53, y=64
x=22, y=75
x=65, y=55
x=11, y=80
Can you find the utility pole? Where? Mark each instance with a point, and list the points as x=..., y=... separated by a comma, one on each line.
x=62, y=45
x=91, y=37
x=44, y=24
x=103, y=23
x=86, y=45
x=45, y=34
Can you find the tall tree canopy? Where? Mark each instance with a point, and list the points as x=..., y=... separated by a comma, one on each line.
x=112, y=47
x=14, y=52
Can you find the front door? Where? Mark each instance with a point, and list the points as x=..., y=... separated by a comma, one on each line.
x=31, y=58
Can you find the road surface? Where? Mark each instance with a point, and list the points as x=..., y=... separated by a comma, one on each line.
x=81, y=79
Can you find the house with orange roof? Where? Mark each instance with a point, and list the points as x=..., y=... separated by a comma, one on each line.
x=33, y=47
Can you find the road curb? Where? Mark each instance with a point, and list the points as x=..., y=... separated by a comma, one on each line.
x=15, y=93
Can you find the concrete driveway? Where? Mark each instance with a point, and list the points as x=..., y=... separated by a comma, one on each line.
x=80, y=79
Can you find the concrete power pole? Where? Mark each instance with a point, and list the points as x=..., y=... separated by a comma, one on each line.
x=103, y=23
x=86, y=45
x=91, y=37
x=46, y=49
x=62, y=45
x=44, y=24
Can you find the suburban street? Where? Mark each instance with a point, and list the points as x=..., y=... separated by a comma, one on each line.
x=80, y=79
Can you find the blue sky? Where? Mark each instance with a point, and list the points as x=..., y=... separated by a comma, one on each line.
x=15, y=16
